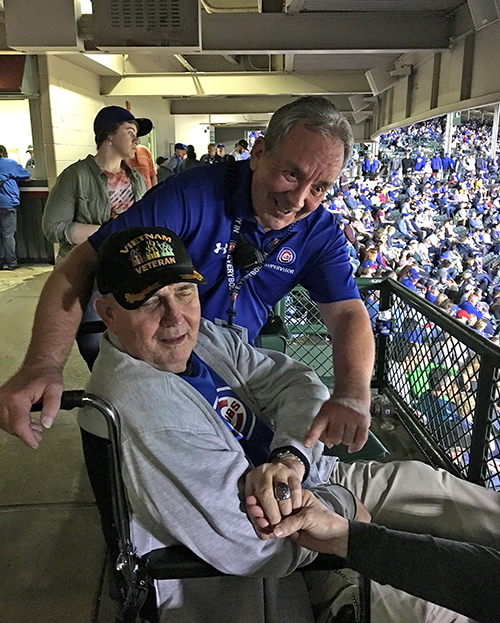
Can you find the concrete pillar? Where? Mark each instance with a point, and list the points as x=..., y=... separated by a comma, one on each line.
x=448, y=133
x=494, y=135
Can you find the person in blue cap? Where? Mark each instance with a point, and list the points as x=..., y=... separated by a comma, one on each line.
x=177, y=157
x=410, y=279
x=95, y=190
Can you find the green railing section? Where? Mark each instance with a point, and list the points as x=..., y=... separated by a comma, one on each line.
x=443, y=378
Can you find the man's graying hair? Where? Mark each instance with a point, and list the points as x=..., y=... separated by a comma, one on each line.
x=319, y=114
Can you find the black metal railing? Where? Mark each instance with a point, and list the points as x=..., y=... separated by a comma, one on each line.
x=443, y=377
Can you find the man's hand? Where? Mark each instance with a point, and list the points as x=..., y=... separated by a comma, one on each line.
x=341, y=421
x=259, y=493
x=316, y=527
x=24, y=389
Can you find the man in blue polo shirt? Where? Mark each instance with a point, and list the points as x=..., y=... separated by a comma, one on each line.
x=255, y=231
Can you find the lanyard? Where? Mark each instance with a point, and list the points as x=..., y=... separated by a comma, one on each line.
x=235, y=286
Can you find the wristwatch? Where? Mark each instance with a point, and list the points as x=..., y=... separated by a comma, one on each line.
x=290, y=451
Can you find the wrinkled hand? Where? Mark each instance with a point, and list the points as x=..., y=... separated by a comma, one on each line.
x=341, y=420
x=259, y=493
x=25, y=388
x=316, y=527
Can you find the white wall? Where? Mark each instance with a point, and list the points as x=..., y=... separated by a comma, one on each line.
x=15, y=132
x=74, y=101
x=74, y=96
x=193, y=130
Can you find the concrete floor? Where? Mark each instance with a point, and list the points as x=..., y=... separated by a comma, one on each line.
x=51, y=548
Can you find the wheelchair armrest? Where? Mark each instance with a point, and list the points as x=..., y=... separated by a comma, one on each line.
x=324, y=562
x=178, y=562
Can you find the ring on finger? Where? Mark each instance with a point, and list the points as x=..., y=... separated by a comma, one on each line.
x=282, y=491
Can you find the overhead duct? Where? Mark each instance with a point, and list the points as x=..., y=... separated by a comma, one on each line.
x=18, y=76
x=34, y=27
x=119, y=25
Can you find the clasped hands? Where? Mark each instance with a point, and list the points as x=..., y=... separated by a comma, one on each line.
x=264, y=510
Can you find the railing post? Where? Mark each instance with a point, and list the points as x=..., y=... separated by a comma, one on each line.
x=481, y=424
x=382, y=340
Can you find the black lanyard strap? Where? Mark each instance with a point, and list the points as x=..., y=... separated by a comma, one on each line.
x=261, y=257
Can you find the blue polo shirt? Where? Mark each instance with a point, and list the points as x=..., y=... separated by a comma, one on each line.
x=200, y=207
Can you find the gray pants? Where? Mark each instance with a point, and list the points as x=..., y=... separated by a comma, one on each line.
x=8, y=223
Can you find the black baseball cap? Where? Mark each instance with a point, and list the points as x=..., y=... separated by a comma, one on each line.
x=110, y=115
x=135, y=263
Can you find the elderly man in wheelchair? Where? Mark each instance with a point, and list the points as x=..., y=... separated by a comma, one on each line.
x=210, y=424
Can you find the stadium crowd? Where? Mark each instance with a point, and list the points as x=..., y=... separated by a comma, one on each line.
x=430, y=220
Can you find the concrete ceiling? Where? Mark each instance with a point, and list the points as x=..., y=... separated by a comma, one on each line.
x=250, y=60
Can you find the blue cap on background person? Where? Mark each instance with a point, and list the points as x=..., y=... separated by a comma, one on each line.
x=111, y=115
x=414, y=274
x=180, y=146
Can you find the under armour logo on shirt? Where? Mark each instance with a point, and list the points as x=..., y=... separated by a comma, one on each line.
x=221, y=247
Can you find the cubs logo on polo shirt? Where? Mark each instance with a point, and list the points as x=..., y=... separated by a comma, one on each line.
x=286, y=255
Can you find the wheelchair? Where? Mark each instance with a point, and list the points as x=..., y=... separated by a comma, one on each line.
x=137, y=573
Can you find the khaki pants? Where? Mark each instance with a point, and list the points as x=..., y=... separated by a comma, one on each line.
x=412, y=496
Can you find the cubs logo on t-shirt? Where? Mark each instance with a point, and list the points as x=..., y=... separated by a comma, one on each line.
x=254, y=434
x=286, y=256
x=233, y=411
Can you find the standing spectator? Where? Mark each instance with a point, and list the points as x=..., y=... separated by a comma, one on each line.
x=162, y=173
x=212, y=157
x=221, y=150
x=240, y=151
x=448, y=165
x=437, y=165
x=30, y=163
x=143, y=162
x=93, y=191
x=420, y=162
x=190, y=161
x=370, y=166
x=177, y=158
x=394, y=165
x=11, y=172
x=407, y=164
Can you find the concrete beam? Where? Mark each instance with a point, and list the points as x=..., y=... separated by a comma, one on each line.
x=184, y=85
x=241, y=105
x=100, y=64
x=282, y=33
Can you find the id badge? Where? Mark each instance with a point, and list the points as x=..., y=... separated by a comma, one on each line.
x=241, y=332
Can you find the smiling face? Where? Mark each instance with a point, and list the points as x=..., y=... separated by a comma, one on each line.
x=290, y=182
x=163, y=331
x=124, y=141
